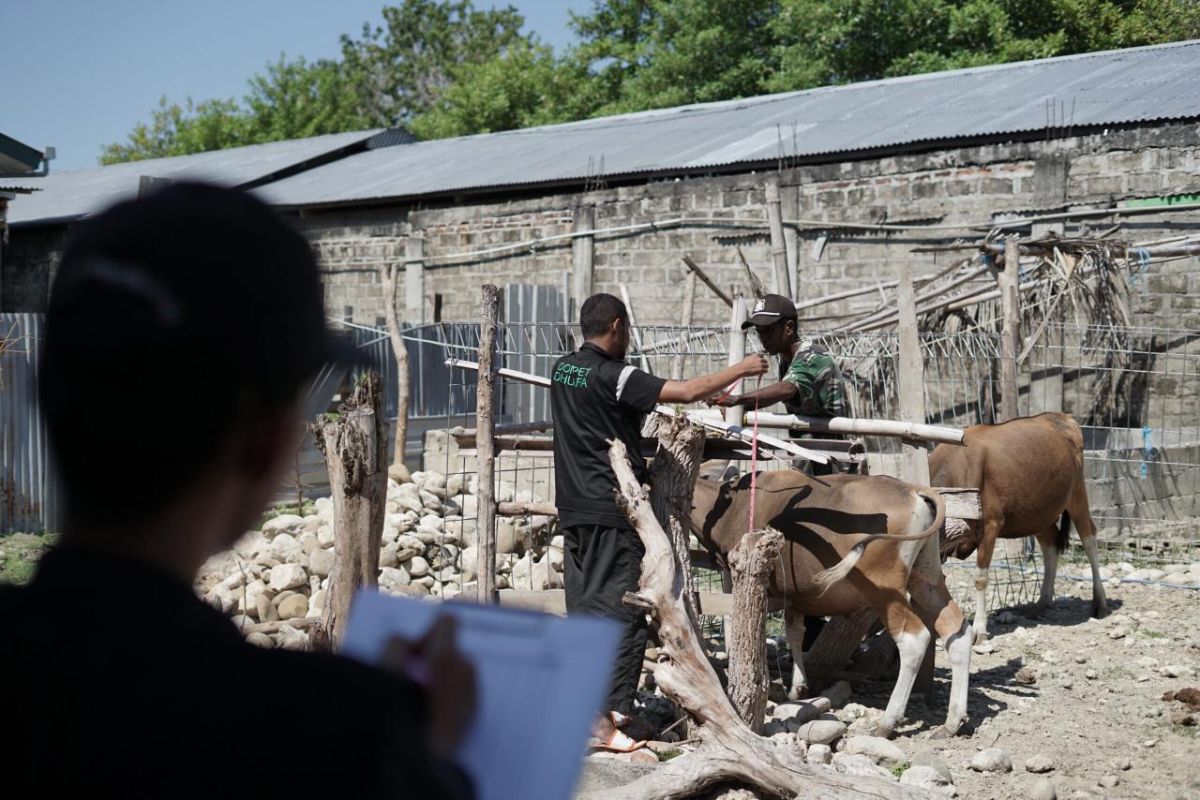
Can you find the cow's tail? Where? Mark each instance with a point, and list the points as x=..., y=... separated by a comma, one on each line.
x=823, y=580
x=1064, y=532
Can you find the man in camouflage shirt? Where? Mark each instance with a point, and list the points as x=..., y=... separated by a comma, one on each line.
x=810, y=383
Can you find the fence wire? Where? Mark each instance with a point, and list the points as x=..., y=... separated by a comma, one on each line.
x=1132, y=390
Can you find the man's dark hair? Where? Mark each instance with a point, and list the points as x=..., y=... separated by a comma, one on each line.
x=172, y=318
x=598, y=313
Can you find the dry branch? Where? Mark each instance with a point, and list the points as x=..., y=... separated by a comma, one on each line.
x=728, y=750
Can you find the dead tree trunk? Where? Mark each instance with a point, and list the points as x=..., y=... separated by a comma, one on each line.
x=729, y=750
x=751, y=563
x=672, y=481
x=388, y=276
x=355, y=449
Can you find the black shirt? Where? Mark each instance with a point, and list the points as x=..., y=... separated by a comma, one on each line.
x=119, y=681
x=594, y=398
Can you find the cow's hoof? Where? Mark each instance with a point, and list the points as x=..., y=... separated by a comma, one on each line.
x=980, y=637
x=1100, y=610
x=941, y=732
x=797, y=693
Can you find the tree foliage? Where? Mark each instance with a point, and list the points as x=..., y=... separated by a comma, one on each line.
x=445, y=68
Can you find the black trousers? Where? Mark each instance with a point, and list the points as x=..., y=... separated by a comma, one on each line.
x=600, y=565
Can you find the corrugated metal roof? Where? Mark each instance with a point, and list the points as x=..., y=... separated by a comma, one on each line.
x=67, y=195
x=1122, y=86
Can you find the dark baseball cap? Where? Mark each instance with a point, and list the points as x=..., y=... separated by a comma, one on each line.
x=769, y=310
x=194, y=278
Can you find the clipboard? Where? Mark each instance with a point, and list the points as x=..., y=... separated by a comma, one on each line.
x=542, y=681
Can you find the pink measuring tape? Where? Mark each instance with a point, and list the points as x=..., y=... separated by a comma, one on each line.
x=754, y=456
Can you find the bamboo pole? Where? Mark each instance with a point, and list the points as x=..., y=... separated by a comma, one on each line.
x=484, y=422
x=896, y=429
x=737, y=351
x=635, y=333
x=685, y=322
x=694, y=267
x=778, y=245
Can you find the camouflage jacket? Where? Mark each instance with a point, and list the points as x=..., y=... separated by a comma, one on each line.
x=818, y=382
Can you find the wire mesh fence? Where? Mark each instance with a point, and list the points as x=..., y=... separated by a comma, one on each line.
x=1133, y=391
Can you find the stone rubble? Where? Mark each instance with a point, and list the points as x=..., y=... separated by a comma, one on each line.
x=280, y=573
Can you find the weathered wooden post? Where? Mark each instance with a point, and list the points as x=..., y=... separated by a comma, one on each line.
x=734, y=415
x=1010, y=310
x=750, y=564
x=778, y=243
x=485, y=444
x=914, y=466
x=388, y=277
x=583, y=249
x=355, y=450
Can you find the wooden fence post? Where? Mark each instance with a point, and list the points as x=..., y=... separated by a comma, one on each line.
x=485, y=445
x=414, y=280
x=355, y=449
x=750, y=563
x=914, y=458
x=1010, y=309
x=583, y=250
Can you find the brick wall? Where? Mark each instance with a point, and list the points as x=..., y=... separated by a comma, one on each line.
x=972, y=184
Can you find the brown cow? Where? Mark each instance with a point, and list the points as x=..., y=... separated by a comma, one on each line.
x=826, y=566
x=1029, y=473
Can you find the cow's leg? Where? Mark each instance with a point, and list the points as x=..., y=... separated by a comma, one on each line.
x=1046, y=540
x=793, y=625
x=939, y=612
x=912, y=640
x=1081, y=516
x=983, y=560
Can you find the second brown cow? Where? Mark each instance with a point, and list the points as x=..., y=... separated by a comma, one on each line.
x=1029, y=473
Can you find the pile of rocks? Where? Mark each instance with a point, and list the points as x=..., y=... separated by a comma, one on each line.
x=1187, y=575
x=429, y=549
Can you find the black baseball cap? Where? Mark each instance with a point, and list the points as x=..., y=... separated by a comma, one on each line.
x=770, y=309
x=193, y=278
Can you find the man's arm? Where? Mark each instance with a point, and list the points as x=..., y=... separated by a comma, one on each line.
x=704, y=386
x=767, y=396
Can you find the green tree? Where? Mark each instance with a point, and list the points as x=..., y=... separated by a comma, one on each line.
x=841, y=41
x=400, y=70
x=294, y=99
x=177, y=130
x=524, y=86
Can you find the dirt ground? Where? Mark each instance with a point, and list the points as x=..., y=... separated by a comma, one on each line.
x=1096, y=708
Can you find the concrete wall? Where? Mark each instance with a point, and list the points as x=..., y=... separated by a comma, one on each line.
x=971, y=184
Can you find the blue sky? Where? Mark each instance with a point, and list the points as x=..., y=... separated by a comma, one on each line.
x=79, y=74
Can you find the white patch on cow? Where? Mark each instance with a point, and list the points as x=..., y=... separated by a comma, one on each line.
x=794, y=630
x=912, y=648
x=958, y=652
x=1098, y=597
x=1049, y=573
x=920, y=520
x=981, y=584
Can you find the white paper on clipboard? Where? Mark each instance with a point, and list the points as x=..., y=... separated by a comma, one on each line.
x=542, y=680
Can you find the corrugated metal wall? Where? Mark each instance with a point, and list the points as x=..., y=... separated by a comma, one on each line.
x=28, y=498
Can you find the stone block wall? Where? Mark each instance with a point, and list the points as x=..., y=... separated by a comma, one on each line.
x=962, y=185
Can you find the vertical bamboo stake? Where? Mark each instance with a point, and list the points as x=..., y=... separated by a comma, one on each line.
x=388, y=277
x=685, y=322
x=1010, y=309
x=778, y=243
x=915, y=460
x=583, y=250
x=737, y=351
x=634, y=332
x=750, y=563
x=485, y=446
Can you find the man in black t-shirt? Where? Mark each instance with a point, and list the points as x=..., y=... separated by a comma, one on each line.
x=596, y=397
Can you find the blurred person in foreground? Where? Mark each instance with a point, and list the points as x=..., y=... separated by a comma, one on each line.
x=182, y=330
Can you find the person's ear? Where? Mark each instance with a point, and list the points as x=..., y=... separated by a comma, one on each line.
x=615, y=328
